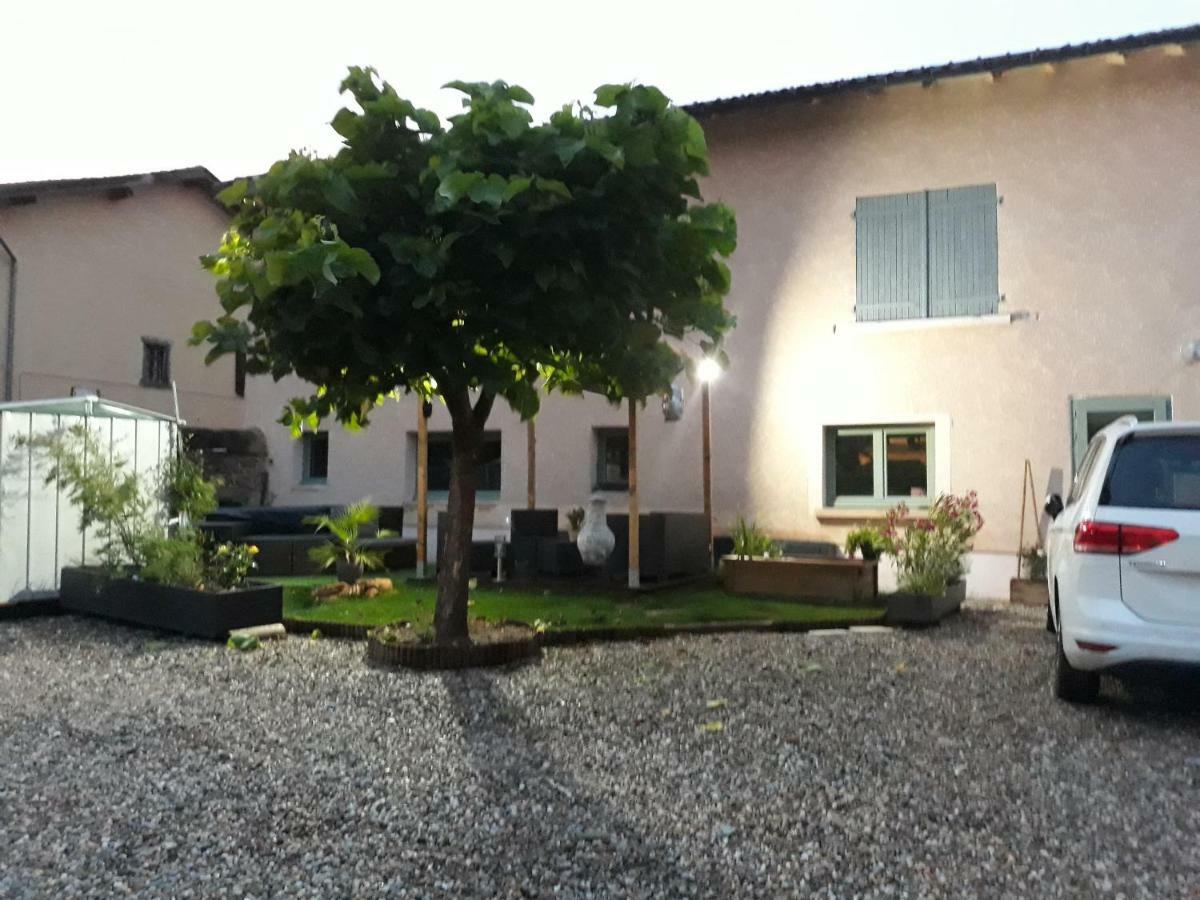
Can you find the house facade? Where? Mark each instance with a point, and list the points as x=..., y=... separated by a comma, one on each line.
x=941, y=275
x=107, y=287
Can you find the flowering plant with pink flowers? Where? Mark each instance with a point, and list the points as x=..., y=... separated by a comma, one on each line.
x=930, y=551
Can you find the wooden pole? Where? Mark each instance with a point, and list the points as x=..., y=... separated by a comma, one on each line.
x=635, y=576
x=706, y=440
x=531, y=477
x=422, y=488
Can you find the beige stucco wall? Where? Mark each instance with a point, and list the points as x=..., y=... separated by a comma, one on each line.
x=1100, y=183
x=95, y=276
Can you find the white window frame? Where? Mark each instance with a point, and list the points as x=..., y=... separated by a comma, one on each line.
x=820, y=478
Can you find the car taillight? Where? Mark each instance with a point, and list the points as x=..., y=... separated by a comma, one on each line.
x=1111, y=537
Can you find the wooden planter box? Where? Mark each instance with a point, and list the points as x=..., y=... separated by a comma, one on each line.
x=841, y=582
x=1029, y=592
x=197, y=613
x=922, y=609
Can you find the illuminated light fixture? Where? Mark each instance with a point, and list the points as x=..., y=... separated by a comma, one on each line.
x=708, y=370
x=1173, y=50
x=1115, y=59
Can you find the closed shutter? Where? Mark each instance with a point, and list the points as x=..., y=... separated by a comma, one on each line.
x=963, y=279
x=892, y=257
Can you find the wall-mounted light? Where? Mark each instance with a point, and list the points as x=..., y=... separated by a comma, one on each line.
x=1191, y=352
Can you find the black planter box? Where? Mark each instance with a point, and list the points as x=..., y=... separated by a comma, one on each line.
x=533, y=523
x=559, y=557
x=197, y=613
x=922, y=609
x=670, y=545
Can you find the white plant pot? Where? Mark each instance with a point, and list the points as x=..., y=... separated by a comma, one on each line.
x=596, y=540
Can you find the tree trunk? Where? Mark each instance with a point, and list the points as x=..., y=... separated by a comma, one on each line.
x=454, y=564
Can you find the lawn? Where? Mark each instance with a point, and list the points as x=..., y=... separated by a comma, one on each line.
x=562, y=610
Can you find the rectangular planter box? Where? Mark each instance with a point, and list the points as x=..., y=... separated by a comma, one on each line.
x=197, y=613
x=1028, y=592
x=844, y=582
x=670, y=545
x=922, y=609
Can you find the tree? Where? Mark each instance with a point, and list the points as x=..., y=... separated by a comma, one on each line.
x=482, y=258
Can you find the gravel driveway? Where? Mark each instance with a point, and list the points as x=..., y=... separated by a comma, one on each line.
x=908, y=764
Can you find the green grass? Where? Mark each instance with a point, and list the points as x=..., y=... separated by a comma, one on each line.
x=567, y=610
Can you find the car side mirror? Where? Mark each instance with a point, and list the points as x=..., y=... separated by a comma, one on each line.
x=1054, y=505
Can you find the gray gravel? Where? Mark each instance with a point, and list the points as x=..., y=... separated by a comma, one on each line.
x=898, y=765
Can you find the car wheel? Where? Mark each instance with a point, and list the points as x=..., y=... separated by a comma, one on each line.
x=1071, y=684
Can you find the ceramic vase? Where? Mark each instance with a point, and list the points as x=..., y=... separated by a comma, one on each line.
x=596, y=540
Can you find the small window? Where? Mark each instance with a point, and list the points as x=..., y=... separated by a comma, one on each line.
x=156, y=363
x=315, y=453
x=239, y=374
x=612, y=459
x=441, y=453
x=879, y=465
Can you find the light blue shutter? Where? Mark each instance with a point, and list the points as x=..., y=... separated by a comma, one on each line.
x=891, y=257
x=963, y=278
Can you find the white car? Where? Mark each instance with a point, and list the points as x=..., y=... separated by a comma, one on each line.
x=1123, y=555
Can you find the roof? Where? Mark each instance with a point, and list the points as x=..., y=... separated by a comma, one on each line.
x=929, y=74
x=85, y=405
x=114, y=186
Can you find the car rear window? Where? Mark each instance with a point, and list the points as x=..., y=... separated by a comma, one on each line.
x=1155, y=471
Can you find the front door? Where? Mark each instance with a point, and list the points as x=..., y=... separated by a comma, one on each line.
x=1090, y=414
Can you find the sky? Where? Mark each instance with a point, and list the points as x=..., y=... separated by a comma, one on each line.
x=104, y=88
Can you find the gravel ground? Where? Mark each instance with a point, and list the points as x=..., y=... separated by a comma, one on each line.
x=908, y=764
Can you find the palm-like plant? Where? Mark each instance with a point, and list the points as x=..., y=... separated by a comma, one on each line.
x=345, y=550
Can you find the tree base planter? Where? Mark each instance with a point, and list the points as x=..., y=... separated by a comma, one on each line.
x=198, y=613
x=491, y=645
x=922, y=609
x=841, y=582
x=1028, y=592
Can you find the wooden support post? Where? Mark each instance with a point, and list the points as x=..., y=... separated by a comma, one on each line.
x=706, y=439
x=531, y=476
x=635, y=575
x=422, y=488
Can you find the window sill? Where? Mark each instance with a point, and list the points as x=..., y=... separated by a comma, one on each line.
x=851, y=514
x=894, y=325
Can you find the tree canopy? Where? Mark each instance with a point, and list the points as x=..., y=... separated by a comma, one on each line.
x=487, y=253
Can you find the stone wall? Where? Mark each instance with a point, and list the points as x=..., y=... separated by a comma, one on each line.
x=238, y=458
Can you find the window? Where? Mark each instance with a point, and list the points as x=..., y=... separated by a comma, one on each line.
x=314, y=456
x=239, y=374
x=1090, y=414
x=1085, y=470
x=612, y=459
x=927, y=254
x=441, y=453
x=1155, y=471
x=156, y=363
x=879, y=465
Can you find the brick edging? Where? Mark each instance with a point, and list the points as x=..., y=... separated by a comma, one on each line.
x=453, y=656
x=328, y=629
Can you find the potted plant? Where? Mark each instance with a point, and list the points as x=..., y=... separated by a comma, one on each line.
x=1030, y=587
x=345, y=552
x=574, y=522
x=866, y=541
x=930, y=556
x=155, y=567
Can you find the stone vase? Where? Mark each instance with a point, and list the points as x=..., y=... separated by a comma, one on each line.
x=596, y=540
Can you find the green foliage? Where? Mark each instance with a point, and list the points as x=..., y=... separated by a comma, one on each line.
x=227, y=566
x=174, y=560
x=575, y=518
x=104, y=489
x=243, y=642
x=186, y=493
x=488, y=252
x=345, y=537
x=1033, y=563
x=750, y=542
x=930, y=551
x=868, y=539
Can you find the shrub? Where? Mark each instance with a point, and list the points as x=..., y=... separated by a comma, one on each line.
x=345, y=542
x=575, y=518
x=174, y=560
x=185, y=492
x=749, y=541
x=930, y=552
x=867, y=539
x=228, y=565
x=1033, y=563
